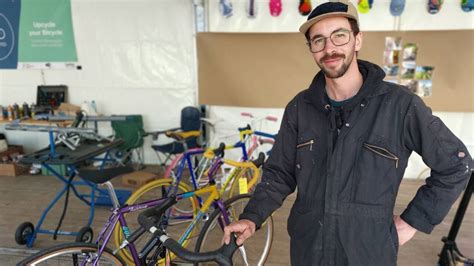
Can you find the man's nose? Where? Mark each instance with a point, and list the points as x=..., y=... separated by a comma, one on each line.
x=329, y=47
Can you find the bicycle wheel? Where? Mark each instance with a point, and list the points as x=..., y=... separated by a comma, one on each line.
x=177, y=221
x=254, y=251
x=72, y=254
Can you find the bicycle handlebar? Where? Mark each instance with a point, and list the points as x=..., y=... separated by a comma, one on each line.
x=246, y=114
x=271, y=118
x=220, y=150
x=222, y=255
x=149, y=220
x=260, y=160
x=268, y=117
x=248, y=127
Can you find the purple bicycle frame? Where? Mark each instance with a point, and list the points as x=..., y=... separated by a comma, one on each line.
x=118, y=215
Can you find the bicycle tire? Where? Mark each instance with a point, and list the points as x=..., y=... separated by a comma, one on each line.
x=71, y=254
x=148, y=192
x=257, y=247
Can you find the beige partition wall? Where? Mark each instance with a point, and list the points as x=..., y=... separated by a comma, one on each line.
x=268, y=69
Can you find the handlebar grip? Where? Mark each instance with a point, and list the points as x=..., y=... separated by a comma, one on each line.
x=260, y=160
x=148, y=218
x=229, y=250
x=266, y=141
x=244, y=128
x=219, y=152
x=223, y=255
x=246, y=114
x=271, y=118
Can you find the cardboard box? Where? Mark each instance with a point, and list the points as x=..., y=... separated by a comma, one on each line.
x=12, y=169
x=12, y=149
x=138, y=178
x=68, y=109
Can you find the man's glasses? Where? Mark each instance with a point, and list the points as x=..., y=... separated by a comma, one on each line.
x=338, y=38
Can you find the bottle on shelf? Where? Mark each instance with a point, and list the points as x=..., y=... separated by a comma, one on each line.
x=26, y=110
x=32, y=110
x=16, y=111
x=94, y=108
x=10, y=112
x=86, y=108
x=4, y=113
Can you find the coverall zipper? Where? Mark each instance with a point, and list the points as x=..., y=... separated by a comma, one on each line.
x=382, y=152
x=310, y=142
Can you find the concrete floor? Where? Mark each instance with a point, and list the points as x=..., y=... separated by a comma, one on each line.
x=24, y=198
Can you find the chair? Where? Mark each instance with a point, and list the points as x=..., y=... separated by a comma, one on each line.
x=185, y=137
x=131, y=132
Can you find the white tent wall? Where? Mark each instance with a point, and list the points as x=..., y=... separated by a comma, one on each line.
x=137, y=57
x=288, y=21
x=414, y=17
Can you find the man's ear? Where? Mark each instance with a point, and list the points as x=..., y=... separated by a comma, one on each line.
x=358, y=41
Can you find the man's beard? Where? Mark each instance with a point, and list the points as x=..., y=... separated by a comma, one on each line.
x=334, y=74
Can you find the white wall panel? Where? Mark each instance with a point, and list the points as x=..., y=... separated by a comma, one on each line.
x=414, y=17
x=138, y=57
x=450, y=17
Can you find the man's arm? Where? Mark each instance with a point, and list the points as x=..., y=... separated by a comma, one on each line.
x=448, y=159
x=278, y=176
x=278, y=180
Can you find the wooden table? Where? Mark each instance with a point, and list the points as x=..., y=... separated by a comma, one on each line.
x=38, y=122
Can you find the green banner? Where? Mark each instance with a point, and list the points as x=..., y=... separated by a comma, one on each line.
x=46, y=33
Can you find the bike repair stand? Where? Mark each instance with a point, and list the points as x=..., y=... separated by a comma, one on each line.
x=71, y=153
x=450, y=253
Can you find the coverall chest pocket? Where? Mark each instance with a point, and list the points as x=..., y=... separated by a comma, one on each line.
x=375, y=173
x=306, y=151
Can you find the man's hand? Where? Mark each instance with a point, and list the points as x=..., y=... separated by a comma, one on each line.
x=243, y=229
x=404, y=230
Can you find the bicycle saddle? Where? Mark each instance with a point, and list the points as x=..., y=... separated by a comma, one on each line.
x=104, y=175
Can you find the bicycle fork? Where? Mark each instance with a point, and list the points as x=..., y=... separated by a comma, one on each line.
x=244, y=254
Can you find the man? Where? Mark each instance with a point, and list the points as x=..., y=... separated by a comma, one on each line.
x=345, y=143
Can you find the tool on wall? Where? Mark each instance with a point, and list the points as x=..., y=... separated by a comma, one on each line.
x=275, y=7
x=305, y=7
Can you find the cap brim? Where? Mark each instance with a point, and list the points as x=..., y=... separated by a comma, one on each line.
x=305, y=27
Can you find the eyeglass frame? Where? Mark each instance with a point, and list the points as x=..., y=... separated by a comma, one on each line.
x=329, y=37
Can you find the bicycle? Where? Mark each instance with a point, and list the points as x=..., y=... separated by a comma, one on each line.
x=187, y=221
x=257, y=139
x=229, y=209
x=182, y=161
x=235, y=174
x=176, y=170
x=85, y=254
x=250, y=142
